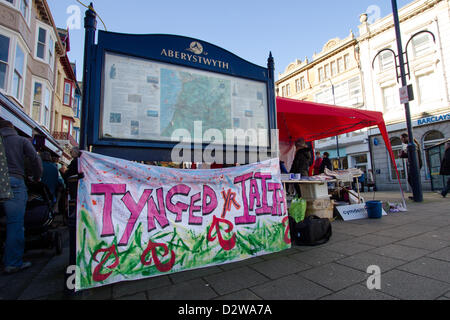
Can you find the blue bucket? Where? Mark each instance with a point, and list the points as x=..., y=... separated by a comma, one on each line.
x=374, y=209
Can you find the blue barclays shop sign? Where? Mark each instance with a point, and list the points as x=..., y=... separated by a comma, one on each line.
x=433, y=119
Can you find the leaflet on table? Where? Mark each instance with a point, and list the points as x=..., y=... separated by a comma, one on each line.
x=145, y=100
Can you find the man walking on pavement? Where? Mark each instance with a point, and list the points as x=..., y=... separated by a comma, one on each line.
x=17, y=148
x=445, y=169
x=404, y=154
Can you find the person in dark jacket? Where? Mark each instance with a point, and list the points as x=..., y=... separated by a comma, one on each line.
x=445, y=168
x=404, y=154
x=302, y=159
x=326, y=163
x=17, y=149
x=50, y=175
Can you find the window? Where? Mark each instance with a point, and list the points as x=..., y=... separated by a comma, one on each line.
x=346, y=61
x=288, y=90
x=68, y=93
x=4, y=53
x=421, y=44
x=327, y=71
x=355, y=92
x=389, y=102
x=42, y=39
x=37, y=102
x=321, y=75
x=397, y=146
x=340, y=65
x=47, y=102
x=297, y=85
x=51, y=50
x=283, y=91
x=302, y=83
x=333, y=69
x=76, y=106
x=66, y=125
x=427, y=87
x=24, y=9
x=430, y=139
x=386, y=60
x=19, y=65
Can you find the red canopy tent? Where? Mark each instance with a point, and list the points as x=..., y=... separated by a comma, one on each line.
x=314, y=121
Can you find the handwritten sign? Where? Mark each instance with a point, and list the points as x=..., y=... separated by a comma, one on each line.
x=136, y=221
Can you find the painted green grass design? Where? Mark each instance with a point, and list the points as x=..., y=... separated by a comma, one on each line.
x=191, y=250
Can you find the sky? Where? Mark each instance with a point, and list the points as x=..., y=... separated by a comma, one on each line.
x=290, y=29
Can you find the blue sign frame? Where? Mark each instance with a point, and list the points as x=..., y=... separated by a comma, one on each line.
x=171, y=49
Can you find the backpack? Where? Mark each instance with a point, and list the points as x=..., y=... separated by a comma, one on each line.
x=311, y=231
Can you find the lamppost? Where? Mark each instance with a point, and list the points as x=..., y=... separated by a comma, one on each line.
x=337, y=137
x=412, y=154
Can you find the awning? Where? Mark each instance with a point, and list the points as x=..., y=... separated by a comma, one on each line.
x=314, y=121
x=11, y=112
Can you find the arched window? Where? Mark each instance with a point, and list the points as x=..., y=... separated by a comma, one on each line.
x=397, y=146
x=430, y=139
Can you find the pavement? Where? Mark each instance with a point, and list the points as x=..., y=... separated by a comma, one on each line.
x=412, y=250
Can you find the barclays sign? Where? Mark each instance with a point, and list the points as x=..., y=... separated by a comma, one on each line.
x=433, y=119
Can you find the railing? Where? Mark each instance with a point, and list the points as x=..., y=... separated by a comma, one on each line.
x=65, y=136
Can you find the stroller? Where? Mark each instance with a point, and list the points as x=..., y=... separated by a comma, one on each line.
x=38, y=220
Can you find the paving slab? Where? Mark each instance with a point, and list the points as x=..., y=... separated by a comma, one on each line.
x=347, y=247
x=317, y=257
x=375, y=240
x=359, y=292
x=235, y=280
x=334, y=276
x=407, y=286
x=400, y=252
x=429, y=267
x=405, y=231
x=425, y=241
x=293, y=287
x=277, y=268
x=245, y=294
x=137, y=296
x=363, y=260
x=193, y=274
x=196, y=289
x=125, y=288
x=443, y=254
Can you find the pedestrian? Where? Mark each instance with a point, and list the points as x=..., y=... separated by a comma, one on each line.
x=326, y=163
x=361, y=181
x=317, y=163
x=445, y=169
x=50, y=176
x=302, y=161
x=404, y=154
x=17, y=149
x=370, y=180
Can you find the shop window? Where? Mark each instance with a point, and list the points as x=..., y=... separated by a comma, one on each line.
x=4, y=54
x=430, y=139
x=397, y=146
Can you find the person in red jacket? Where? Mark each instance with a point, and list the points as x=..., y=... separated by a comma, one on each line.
x=317, y=163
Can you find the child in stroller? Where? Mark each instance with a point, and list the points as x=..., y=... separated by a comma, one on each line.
x=37, y=221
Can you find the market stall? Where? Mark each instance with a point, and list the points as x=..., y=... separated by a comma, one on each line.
x=313, y=121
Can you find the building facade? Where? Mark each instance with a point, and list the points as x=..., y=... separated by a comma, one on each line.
x=32, y=55
x=332, y=77
x=369, y=81
x=425, y=33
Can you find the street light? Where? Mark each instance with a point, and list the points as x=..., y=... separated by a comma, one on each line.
x=337, y=138
x=412, y=155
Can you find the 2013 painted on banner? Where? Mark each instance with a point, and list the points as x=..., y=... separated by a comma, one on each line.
x=136, y=221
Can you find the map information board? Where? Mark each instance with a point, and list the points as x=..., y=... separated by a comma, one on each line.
x=148, y=100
